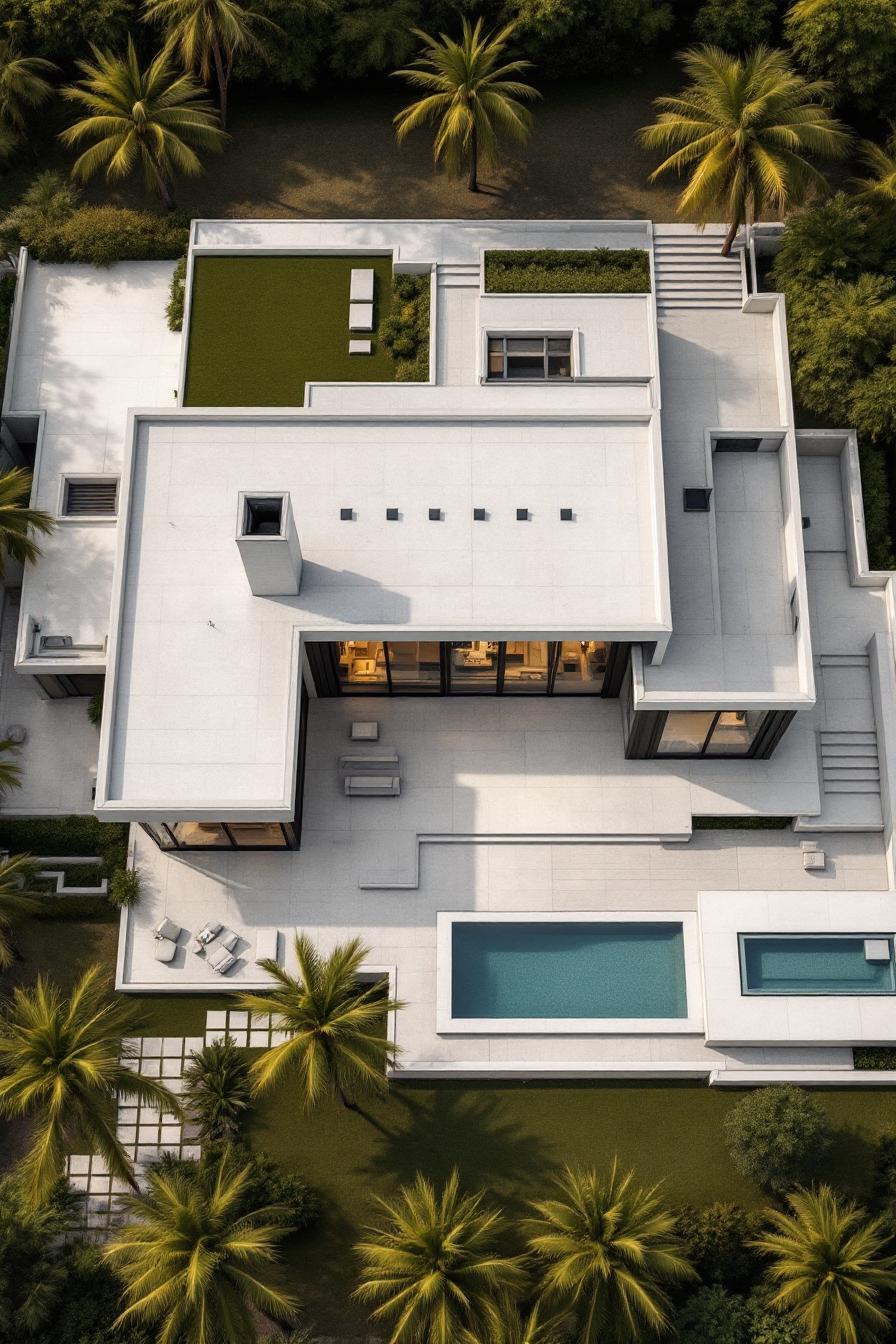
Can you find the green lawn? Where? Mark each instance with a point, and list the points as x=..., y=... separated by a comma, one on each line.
x=509, y=1138
x=260, y=327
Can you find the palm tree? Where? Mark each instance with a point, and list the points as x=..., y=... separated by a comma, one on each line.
x=433, y=1267
x=207, y=35
x=516, y=1325
x=18, y=521
x=470, y=95
x=23, y=84
x=336, y=1041
x=217, y=1091
x=194, y=1261
x=610, y=1250
x=880, y=160
x=16, y=901
x=62, y=1065
x=10, y=771
x=744, y=128
x=831, y=1266
x=150, y=118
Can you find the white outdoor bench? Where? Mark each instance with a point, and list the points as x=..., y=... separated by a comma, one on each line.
x=361, y=290
x=372, y=786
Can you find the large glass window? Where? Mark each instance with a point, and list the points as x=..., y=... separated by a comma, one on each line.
x=707, y=732
x=528, y=357
x=362, y=664
x=581, y=666
x=200, y=834
x=257, y=834
x=415, y=665
x=526, y=666
x=474, y=666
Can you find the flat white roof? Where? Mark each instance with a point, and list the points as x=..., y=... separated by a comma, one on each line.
x=206, y=674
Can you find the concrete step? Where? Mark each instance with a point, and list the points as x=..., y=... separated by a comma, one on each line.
x=848, y=736
x=843, y=660
x=851, y=786
x=853, y=774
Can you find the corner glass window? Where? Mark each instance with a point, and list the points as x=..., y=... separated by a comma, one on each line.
x=529, y=358
x=200, y=834
x=257, y=834
x=735, y=732
x=685, y=732
x=706, y=732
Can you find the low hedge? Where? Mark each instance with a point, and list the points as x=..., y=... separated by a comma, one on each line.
x=46, y=837
x=876, y=1057
x=405, y=332
x=76, y=908
x=877, y=503
x=597, y=270
x=175, y=309
x=100, y=235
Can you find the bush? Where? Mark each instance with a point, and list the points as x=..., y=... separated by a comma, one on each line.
x=124, y=888
x=50, y=221
x=883, y=1183
x=596, y=270
x=768, y=1325
x=877, y=506
x=56, y=836
x=874, y=1057
x=405, y=332
x=716, y=1241
x=852, y=43
x=75, y=908
x=268, y=1184
x=217, y=1091
x=777, y=1136
x=175, y=310
x=713, y=1316
x=91, y=1303
x=566, y=37
x=95, y=709
x=735, y=25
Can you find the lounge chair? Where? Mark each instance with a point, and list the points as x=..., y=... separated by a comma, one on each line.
x=267, y=944
x=221, y=960
x=207, y=934
x=168, y=930
x=165, y=949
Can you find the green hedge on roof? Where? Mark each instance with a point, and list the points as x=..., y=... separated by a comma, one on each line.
x=595, y=270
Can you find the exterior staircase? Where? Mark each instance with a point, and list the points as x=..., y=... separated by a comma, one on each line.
x=849, y=766
x=690, y=271
x=454, y=274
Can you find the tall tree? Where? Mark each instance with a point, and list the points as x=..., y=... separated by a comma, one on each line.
x=472, y=95
x=140, y=117
x=18, y=521
x=23, y=86
x=745, y=130
x=831, y=1267
x=208, y=35
x=337, y=1045
x=433, y=1267
x=61, y=1060
x=880, y=162
x=17, y=901
x=196, y=1259
x=610, y=1254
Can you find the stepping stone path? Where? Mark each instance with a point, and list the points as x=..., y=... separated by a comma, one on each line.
x=258, y=1030
x=144, y=1130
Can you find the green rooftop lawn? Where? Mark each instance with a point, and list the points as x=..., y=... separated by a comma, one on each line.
x=261, y=327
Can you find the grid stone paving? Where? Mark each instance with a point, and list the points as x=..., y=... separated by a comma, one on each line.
x=258, y=1030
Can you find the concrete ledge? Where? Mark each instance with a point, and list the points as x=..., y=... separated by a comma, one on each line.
x=804, y=1077
x=515, y=1069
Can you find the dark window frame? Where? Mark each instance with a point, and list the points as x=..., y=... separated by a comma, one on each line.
x=545, y=337
x=647, y=729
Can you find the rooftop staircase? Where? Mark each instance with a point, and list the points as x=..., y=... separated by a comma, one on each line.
x=690, y=271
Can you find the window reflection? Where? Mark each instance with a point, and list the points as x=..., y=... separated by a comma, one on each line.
x=581, y=666
x=257, y=834
x=362, y=662
x=200, y=834
x=735, y=732
x=526, y=665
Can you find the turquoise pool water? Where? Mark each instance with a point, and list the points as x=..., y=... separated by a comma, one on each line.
x=560, y=969
x=812, y=964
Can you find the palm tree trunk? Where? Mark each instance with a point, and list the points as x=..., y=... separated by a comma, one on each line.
x=347, y=1101
x=223, y=77
x=730, y=237
x=164, y=192
x=473, y=181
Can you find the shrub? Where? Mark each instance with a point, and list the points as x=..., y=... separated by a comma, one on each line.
x=269, y=1185
x=713, y=1316
x=877, y=506
x=95, y=709
x=217, y=1091
x=776, y=1136
x=852, y=43
x=44, y=207
x=76, y=908
x=883, y=1183
x=735, y=25
x=875, y=1057
x=124, y=888
x=769, y=1325
x=175, y=310
x=596, y=270
x=405, y=332
x=46, y=836
x=716, y=1240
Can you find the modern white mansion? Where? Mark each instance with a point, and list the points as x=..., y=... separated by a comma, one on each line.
x=588, y=581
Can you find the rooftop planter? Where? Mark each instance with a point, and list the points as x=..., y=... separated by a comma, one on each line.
x=595, y=270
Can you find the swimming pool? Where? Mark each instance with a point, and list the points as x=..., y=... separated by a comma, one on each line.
x=795, y=963
x=566, y=969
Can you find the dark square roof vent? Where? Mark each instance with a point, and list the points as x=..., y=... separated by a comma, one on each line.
x=479, y=515
x=696, y=499
x=392, y=515
x=522, y=515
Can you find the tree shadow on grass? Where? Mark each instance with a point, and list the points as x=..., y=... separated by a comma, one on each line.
x=849, y=1163
x=462, y=1125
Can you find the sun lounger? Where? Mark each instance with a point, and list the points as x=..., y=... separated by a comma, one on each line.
x=165, y=949
x=207, y=934
x=167, y=929
x=267, y=944
x=221, y=960
x=361, y=288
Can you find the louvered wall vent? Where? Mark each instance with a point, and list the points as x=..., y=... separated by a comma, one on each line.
x=90, y=498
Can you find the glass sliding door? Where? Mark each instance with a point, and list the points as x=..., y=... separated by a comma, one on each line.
x=415, y=666
x=526, y=666
x=473, y=667
x=581, y=667
x=735, y=732
x=362, y=665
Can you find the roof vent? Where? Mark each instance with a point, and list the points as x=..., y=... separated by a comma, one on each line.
x=346, y=515
x=696, y=499
x=479, y=515
x=392, y=515
x=522, y=515
x=435, y=515
x=269, y=544
x=566, y=515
